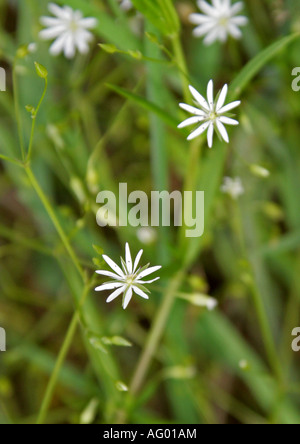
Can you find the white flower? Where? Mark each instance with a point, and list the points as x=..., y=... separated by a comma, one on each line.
x=233, y=187
x=32, y=47
x=126, y=5
x=128, y=280
x=146, y=235
x=218, y=21
x=69, y=29
x=210, y=114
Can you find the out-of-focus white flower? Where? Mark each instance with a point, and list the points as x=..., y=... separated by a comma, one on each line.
x=146, y=235
x=233, y=187
x=244, y=365
x=210, y=113
x=128, y=279
x=69, y=29
x=218, y=21
x=126, y=5
x=32, y=47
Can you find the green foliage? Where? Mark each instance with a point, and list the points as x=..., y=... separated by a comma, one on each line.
x=111, y=116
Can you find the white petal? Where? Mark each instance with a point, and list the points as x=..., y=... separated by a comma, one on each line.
x=113, y=266
x=109, y=286
x=222, y=97
x=217, y=4
x=128, y=258
x=228, y=121
x=222, y=130
x=58, y=45
x=208, y=9
x=199, y=19
x=140, y=292
x=148, y=271
x=198, y=131
x=201, y=30
x=191, y=109
x=115, y=294
x=52, y=33
x=200, y=99
x=127, y=298
x=81, y=43
x=211, y=37
x=51, y=21
x=61, y=13
x=240, y=20
x=210, y=94
x=190, y=121
x=108, y=274
x=234, y=31
x=69, y=47
x=147, y=282
x=236, y=8
x=137, y=260
x=223, y=34
x=77, y=16
x=228, y=107
x=88, y=22
x=210, y=135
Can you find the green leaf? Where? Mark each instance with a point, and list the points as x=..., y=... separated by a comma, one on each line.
x=98, y=249
x=96, y=343
x=109, y=48
x=116, y=340
x=161, y=13
x=257, y=63
x=41, y=70
x=149, y=106
x=121, y=386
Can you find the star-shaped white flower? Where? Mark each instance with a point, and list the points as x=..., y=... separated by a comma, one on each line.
x=126, y=5
x=218, y=21
x=127, y=280
x=233, y=187
x=211, y=114
x=69, y=29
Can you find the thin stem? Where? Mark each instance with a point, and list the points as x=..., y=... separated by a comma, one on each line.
x=60, y=359
x=155, y=333
x=266, y=333
x=194, y=153
x=181, y=63
x=262, y=317
x=17, y=110
x=159, y=157
x=34, y=116
x=54, y=219
x=9, y=159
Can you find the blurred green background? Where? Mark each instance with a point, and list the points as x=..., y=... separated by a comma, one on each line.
x=231, y=365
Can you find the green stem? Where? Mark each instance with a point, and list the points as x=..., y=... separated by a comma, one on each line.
x=155, y=333
x=181, y=63
x=17, y=110
x=60, y=359
x=34, y=116
x=262, y=317
x=159, y=156
x=194, y=153
x=54, y=220
x=9, y=159
x=266, y=334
